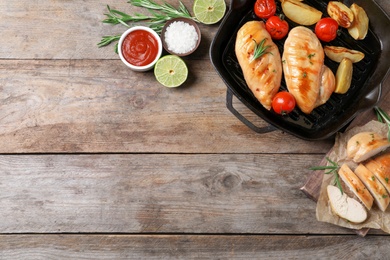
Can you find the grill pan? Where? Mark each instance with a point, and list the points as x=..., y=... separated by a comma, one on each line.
x=364, y=93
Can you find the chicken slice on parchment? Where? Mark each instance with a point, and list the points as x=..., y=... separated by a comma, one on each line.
x=263, y=75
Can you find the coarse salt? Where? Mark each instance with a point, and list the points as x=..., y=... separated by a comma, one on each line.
x=181, y=37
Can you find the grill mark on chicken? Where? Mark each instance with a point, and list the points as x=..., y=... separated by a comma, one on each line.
x=303, y=66
x=264, y=74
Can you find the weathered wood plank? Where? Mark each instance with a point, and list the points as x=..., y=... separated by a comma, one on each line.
x=37, y=29
x=101, y=106
x=232, y=193
x=32, y=116
x=192, y=247
x=47, y=29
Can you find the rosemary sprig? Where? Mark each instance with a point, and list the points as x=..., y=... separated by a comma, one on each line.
x=331, y=169
x=260, y=49
x=165, y=8
x=106, y=40
x=383, y=117
x=159, y=14
x=158, y=21
x=116, y=17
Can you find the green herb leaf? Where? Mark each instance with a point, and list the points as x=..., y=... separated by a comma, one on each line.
x=383, y=117
x=165, y=8
x=260, y=50
x=106, y=40
x=333, y=169
x=338, y=183
x=118, y=17
x=316, y=168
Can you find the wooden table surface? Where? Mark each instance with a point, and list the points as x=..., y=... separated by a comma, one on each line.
x=99, y=162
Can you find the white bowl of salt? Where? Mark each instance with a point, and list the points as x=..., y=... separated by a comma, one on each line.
x=180, y=36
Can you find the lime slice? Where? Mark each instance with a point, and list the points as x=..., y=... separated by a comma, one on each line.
x=171, y=71
x=209, y=11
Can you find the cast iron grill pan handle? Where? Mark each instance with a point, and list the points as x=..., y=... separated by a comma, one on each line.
x=243, y=119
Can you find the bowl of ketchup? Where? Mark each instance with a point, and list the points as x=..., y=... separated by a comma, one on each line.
x=139, y=48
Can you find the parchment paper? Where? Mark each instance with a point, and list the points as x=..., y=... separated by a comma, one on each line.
x=376, y=218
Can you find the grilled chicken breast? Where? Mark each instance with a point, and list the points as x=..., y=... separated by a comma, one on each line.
x=377, y=190
x=355, y=186
x=303, y=64
x=327, y=86
x=365, y=145
x=264, y=74
x=380, y=167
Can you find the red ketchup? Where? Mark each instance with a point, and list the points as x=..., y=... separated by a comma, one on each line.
x=139, y=48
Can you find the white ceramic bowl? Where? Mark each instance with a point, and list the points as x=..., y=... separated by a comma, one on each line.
x=159, y=50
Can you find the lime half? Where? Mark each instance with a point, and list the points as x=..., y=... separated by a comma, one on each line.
x=171, y=71
x=209, y=11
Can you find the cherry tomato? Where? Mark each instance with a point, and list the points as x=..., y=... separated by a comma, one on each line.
x=326, y=29
x=283, y=103
x=265, y=8
x=277, y=27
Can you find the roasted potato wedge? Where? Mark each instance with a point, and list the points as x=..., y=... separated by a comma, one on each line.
x=337, y=54
x=344, y=76
x=341, y=13
x=300, y=13
x=359, y=28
